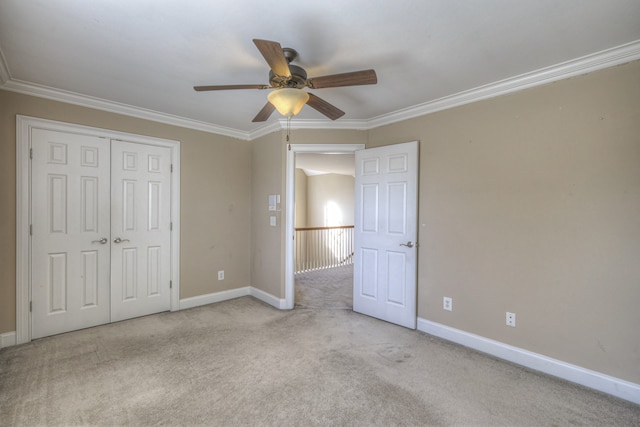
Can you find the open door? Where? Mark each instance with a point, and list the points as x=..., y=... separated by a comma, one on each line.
x=385, y=246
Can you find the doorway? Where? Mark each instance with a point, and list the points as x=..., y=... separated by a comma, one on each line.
x=385, y=276
x=324, y=219
x=97, y=221
x=290, y=207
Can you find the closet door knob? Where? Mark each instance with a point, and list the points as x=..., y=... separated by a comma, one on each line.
x=119, y=240
x=102, y=241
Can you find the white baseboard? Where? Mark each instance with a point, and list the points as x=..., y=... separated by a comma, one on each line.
x=213, y=297
x=279, y=303
x=607, y=384
x=7, y=339
x=231, y=294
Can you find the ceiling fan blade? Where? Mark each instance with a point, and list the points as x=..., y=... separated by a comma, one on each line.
x=324, y=107
x=227, y=87
x=355, y=78
x=272, y=53
x=264, y=114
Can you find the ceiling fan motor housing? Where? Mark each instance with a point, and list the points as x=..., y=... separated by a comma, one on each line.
x=297, y=80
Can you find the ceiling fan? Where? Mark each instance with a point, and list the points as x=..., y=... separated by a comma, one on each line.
x=284, y=75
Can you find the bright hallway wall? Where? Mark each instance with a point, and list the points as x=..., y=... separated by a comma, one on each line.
x=324, y=200
x=330, y=200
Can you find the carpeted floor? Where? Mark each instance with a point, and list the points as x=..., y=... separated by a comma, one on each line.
x=330, y=288
x=242, y=362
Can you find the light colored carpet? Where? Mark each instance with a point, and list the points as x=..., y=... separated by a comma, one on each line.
x=242, y=362
x=330, y=288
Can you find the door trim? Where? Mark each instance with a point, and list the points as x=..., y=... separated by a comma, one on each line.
x=24, y=124
x=290, y=192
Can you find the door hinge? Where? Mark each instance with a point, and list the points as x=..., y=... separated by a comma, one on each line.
x=31, y=153
x=30, y=229
x=170, y=284
x=171, y=168
x=30, y=306
x=170, y=226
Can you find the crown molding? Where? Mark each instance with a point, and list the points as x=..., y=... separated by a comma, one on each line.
x=281, y=124
x=583, y=65
x=351, y=124
x=5, y=75
x=267, y=129
x=118, y=108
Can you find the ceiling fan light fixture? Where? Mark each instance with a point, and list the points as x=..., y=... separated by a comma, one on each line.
x=288, y=101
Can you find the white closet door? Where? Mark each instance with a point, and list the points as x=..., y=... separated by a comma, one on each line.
x=71, y=221
x=140, y=229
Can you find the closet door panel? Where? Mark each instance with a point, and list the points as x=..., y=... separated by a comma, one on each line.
x=141, y=234
x=70, y=205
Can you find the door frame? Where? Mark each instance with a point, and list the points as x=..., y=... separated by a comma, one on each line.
x=290, y=191
x=24, y=124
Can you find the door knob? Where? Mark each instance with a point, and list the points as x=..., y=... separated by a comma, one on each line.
x=119, y=240
x=408, y=244
x=101, y=241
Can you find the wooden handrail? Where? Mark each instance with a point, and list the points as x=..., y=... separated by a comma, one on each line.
x=324, y=228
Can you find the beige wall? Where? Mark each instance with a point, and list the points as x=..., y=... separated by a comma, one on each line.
x=329, y=188
x=215, y=197
x=530, y=203
x=267, y=269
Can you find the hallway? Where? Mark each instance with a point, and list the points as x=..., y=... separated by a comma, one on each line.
x=329, y=288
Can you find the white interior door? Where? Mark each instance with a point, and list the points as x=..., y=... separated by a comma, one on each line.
x=70, y=220
x=385, y=247
x=140, y=229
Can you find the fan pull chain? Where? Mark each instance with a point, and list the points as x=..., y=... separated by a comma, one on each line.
x=288, y=127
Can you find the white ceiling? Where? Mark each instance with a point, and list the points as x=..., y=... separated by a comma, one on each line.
x=142, y=57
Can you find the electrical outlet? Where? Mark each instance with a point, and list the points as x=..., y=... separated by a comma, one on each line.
x=447, y=303
x=221, y=275
x=511, y=319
